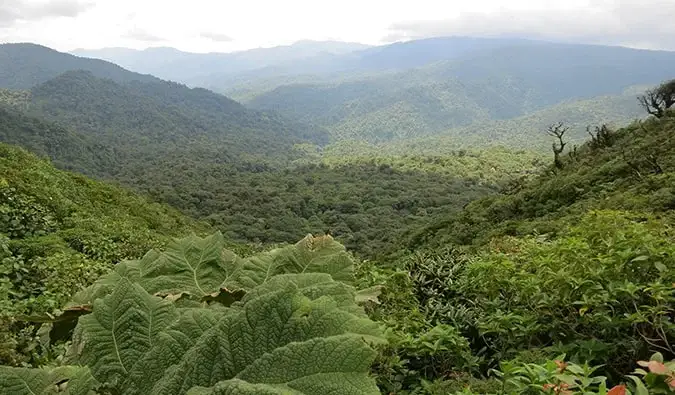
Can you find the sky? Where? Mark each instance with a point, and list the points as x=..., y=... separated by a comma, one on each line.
x=226, y=25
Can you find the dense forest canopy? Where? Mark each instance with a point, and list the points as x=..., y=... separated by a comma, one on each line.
x=442, y=216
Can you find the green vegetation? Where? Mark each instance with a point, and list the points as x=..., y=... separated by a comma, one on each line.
x=575, y=265
x=58, y=233
x=474, y=270
x=198, y=152
x=470, y=94
x=197, y=319
x=23, y=66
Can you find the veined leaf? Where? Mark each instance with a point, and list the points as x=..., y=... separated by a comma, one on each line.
x=172, y=344
x=313, y=286
x=124, y=326
x=317, y=255
x=281, y=322
x=67, y=380
x=105, y=284
x=310, y=255
x=339, y=367
x=264, y=325
x=193, y=265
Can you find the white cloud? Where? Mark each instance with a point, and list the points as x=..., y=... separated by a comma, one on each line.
x=217, y=25
x=644, y=24
x=17, y=11
x=215, y=36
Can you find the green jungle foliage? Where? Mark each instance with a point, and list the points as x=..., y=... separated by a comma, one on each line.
x=14, y=98
x=197, y=319
x=364, y=205
x=363, y=200
x=509, y=81
x=574, y=266
x=151, y=119
x=399, y=130
x=58, y=233
x=526, y=131
x=562, y=283
x=631, y=169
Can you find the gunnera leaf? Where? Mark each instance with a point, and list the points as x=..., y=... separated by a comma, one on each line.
x=193, y=265
x=337, y=367
x=268, y=325
x=310, y=255
x=311, y=285
x=66, y=380
x=123, y=327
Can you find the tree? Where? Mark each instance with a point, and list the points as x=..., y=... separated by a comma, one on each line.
x=658, y=100
x=558, y=131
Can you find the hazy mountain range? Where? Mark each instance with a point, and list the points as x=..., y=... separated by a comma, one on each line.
x=411, y=89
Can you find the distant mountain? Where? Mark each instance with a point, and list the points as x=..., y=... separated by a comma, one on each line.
x=150, y=119
x=23, y=66
x=135, y=111
x=495, y=83
x=186, y=67
x=527, y=131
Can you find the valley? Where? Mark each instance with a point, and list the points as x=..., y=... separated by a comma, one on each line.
x=395, y=205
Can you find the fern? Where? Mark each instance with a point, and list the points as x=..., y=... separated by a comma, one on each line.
x=198, y=319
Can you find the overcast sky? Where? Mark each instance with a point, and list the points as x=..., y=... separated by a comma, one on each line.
x=226, y=25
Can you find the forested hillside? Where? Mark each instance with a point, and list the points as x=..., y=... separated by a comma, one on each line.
x=364, y=202
x=59, y=232
x=501, y=83
x=255, y=176
x=475, y=216
x=23, y=66
x=554, y=283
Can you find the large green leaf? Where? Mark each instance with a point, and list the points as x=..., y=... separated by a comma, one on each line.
x=266, y=324
x=172, y=344
x=67, y=380
x=198, y=316
x=124, y=326
x=192, y=265
x=105, y=284
x=338, y=366
x=313, y=286
x=310, y=255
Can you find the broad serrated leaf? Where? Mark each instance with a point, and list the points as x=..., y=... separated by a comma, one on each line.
x=369, y=295
x=193, y=265
x=317, y=255
x=313, y=286
x=123, y=327
x=310, y=255
x=264, y=325
x=66, y=380
x=105, y=284
x=340, y=365
x=170, y=347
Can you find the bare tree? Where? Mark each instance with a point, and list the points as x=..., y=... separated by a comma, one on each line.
x=658, y=100
x=558, y=131
x=602, y=137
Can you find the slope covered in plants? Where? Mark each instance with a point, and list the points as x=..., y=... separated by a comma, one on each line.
x=481, y=84
x=25, y=65
x=60, y=231
x=198, y=319
x=574, y=266
x=363, y=200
